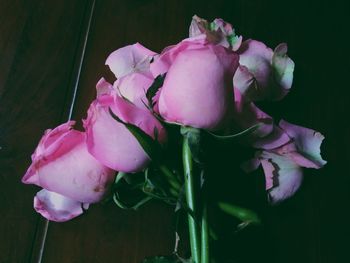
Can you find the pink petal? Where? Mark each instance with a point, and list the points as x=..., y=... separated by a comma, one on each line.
x=56, y=207
x=133, y=87
x=163, y=62
x=275, y=139
x=283, y=176
x=50, y=147
x=132, y=58
x=246, y=114
x=308, y=143
x=283, y=68
x=103, y=87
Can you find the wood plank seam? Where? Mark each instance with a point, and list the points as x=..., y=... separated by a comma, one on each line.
x=38, y=245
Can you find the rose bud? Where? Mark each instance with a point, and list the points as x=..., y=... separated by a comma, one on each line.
x=197, y=89
x=109, y=141
x=283, y=165
x=70, y=176
x=263, y=73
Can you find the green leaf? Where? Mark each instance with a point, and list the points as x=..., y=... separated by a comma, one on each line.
x=151, y=147
x=236, y=136
x=152, y=90
x=243, y=214
x=156, y=186
x=127, y=193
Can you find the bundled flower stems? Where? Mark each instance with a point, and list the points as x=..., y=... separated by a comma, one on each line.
x=144, y=134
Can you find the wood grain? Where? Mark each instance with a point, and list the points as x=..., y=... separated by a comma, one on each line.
x=39, y=41
x=40, y=49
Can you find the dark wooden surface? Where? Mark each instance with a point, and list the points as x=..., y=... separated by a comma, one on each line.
x=41, y=50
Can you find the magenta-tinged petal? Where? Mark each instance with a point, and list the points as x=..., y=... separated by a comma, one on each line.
x=103, y=87
x=133, y=87
x=283, y=68
x=50, y=147
x=245, y=83
x=110, y=142
x=218, y=32
x=132, y=58
x=77, y=175
x=271, y=72
x=162, y=63
x=275, y=139
x=56, y=207
x=308, y=143
x=283, y=176
x=246, y=115
x=198, y=26
x=256, y=56
x=197, y=89
x=140, y=117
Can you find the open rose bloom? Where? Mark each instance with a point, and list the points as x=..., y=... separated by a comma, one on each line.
x=70, y=177
x=211, y=81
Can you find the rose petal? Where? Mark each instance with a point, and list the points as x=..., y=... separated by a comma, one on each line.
x=275, y=139
x=133, y=87
x=132, y=58
x=283, y=176
x=283, y=69
x=56, y=207
x=307, y=141
x=246, y=114
x=103, y=87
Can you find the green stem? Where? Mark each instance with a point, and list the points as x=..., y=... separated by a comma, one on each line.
x=205, y=236
x=190, y=198
x=171, y=177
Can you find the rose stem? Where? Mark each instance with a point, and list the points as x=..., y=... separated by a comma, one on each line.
x=190, y=199
x=204, y=236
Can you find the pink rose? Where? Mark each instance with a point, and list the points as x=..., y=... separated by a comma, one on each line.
x=197, y=89
x=70, y=176
x=111, y=142
x=282, y=160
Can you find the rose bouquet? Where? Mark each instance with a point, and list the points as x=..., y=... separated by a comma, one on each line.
x=151, y=133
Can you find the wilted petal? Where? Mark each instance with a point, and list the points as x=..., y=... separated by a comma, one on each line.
x=307, y=141
x=283, y=176
x=283, y=68
x=132, y=58
x=56, y=207
x=271, y=72
x=275, y=139
x=246, y=115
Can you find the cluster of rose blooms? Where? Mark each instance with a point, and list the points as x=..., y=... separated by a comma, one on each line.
x=211, y=82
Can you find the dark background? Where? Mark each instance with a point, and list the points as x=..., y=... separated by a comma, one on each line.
x=42, y=54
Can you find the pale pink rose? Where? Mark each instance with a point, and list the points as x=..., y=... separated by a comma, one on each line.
x=109, y=141
x=283, y=164
x=197, y=89
x=69, y=175
x=129, y=59
x=263, y=73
